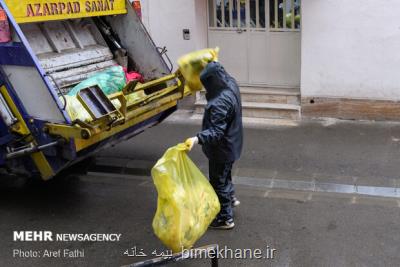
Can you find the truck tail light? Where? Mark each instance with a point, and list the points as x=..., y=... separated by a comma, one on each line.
x=138, y=7
x=5, y=35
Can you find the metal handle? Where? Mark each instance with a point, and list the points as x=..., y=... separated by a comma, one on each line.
x=31, y=148
x=163, y=52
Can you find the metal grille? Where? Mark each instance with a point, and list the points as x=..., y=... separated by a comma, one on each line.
x=284, y=15
x=227, y=13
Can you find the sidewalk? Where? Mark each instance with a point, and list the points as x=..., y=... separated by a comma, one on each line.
x=325, y=155
x=190, y=117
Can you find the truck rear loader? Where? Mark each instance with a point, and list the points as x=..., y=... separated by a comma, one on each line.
x=54, y=46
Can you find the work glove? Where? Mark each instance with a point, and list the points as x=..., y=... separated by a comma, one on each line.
x=190, y=142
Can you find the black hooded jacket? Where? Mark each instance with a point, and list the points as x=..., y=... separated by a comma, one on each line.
x=222, y=132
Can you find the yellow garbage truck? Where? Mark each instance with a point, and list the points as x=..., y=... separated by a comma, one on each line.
x=57, y=44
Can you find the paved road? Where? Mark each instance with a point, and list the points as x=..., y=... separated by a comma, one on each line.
x=307, y=228
x=318, y=229
x=341, y=152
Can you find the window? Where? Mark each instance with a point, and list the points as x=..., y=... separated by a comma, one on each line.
x=257, y=13
x=234, y=13
x=242, y=9
x=284, y=15
x=227, y=13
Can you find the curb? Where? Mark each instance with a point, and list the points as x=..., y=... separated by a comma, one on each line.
x=271, y=183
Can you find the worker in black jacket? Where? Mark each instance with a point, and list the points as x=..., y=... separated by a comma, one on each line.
x=221, y=137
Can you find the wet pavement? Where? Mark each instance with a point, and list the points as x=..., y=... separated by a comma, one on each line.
x=277, y=182
x=306, y=229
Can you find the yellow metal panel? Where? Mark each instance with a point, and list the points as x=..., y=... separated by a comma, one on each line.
x=19, y=127
x=82, y=144
x=43, y=165
x=67, y=131
x=38, y=158
x=44, y=10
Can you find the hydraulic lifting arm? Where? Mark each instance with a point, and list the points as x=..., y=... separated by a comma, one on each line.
x=106, y=119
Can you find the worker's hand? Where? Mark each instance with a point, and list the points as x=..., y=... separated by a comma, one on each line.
x=190, y=142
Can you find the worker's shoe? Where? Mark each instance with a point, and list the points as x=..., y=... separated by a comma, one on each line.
x=235, y=201
x=222, y=224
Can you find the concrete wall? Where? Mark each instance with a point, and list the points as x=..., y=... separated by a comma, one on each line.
x=350, y=49
x=166, y=20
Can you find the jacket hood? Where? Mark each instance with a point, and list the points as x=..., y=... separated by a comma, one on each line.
x=214, y=79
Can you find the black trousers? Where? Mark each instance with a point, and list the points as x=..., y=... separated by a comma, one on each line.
x=221, y=180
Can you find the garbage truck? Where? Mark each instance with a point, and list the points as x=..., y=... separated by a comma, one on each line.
x=54, y=46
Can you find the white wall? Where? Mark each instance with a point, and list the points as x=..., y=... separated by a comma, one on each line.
x=351, y=49
x=165, y=21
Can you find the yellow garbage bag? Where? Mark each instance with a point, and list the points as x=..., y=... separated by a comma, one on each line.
x=186, y=204
x=192, y=64
x=75, y=109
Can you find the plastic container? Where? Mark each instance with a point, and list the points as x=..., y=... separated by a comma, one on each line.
x=5, y=35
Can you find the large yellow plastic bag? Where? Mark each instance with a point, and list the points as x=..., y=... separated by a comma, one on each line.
x=192, y=64
x=186, y=204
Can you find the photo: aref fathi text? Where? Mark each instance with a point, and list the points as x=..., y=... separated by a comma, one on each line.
x=48, y=236
x=47, y=253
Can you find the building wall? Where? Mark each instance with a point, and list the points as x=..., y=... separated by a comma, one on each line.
x=350, y=49
x=165, y=20
x=349, y=52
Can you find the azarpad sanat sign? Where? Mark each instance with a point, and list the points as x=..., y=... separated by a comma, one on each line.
x=44, y=10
